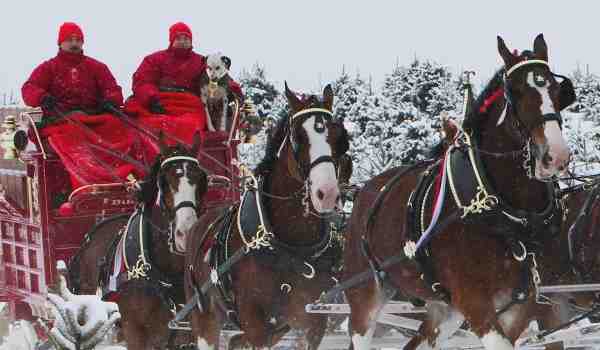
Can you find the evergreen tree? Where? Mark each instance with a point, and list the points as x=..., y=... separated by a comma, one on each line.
x=427, y=85
x=270, y=105
x=268, y=101
x=587, y=90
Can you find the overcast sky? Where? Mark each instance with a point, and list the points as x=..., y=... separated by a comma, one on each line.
x=305, y=42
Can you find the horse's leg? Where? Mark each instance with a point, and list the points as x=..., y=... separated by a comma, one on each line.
x=440, y=324
x=257, y=330
x=365, y=304
x=551, y=316
x=207, y=329
x=314, y=335
x=489, y=331
x=243, y=341
x=132, y=332
x=144, y=317
x=206, y=325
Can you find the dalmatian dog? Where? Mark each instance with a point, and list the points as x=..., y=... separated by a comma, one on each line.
x=216, y=92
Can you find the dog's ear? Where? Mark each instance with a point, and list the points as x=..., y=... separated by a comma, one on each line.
x=227, y=61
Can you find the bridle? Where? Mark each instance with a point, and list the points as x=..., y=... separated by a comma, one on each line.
x=508, y=94
x=322, y=118
x=183, y=204
x=527, y=150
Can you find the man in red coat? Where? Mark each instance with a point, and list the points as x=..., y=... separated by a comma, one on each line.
x=176, y=69
x=75, y=92
x=71, y=81
x=166, y=89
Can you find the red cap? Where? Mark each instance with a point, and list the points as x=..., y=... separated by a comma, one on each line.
x=67, y=30
x=179, y=28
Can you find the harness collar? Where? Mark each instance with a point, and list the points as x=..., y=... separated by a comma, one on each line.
x=485, y=199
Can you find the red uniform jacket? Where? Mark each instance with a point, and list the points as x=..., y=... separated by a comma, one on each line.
x=75, y=80
x=173, y=68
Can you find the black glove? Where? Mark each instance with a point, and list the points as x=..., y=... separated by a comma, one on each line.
x=109, y=106
x=156, y=107
x=48, y=103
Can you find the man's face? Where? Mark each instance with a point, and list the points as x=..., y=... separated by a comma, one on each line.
x=182, y=41
x=74, y=45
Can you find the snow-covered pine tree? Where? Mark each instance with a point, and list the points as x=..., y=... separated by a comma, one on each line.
x=270, y=105
x=582, y=121
x=399, y=124
x=426, y=84
x=587, y=90
x=264, y=95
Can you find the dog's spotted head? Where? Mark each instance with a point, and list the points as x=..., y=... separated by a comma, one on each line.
x=217, y=66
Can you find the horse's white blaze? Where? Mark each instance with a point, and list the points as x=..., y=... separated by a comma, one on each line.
x=185, y=218
x=203, y=344
x=547, y=106
x=557, y=145
x=322, y=176
x=495, y=341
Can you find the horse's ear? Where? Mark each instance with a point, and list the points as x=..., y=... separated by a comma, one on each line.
x=328, y=97
x=540, y=48
x=162, y=145
x=293, y=100
x=197, y=142
x=508, y=58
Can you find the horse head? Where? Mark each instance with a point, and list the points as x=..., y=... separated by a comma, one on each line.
x=534, y=100
x=317, y=141
x=179, y=186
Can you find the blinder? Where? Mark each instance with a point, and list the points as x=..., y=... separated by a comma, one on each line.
x=566, y=94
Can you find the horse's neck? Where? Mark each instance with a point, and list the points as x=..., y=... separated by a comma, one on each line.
x=287, y=216
x=506, y=173
x=162, y=257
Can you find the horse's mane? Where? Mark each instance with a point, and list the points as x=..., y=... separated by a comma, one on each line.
x=148, y=187
x=476, y=114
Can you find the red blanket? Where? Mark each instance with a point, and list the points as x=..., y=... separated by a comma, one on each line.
x=86, y=164
x=185, y=115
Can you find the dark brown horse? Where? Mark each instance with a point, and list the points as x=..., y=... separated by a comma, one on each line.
x=570, y=258
x=285, y=259
x=498, y=199
x=147, y=294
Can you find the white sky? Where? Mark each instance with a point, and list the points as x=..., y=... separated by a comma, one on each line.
x=304, y=42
